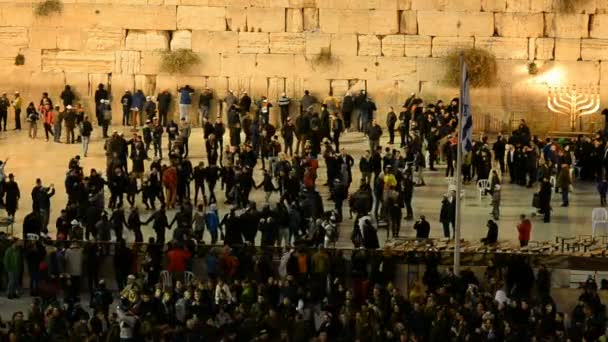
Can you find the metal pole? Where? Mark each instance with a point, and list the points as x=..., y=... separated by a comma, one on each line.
x=458, y=176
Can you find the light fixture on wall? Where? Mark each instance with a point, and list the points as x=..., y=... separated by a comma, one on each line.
x=532, y=68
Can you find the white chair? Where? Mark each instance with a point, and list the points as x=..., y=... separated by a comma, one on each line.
x=165, y=279
x=483, y=185
x=189, y=278
x=599, y=216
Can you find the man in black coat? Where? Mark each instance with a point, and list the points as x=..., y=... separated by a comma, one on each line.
x=100, y=94
x=422, y=228
x=11, y=196
x=164, y=101
x=499, y=152
x=544, y=200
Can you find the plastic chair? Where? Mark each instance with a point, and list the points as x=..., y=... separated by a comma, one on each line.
x=189, y=278
x=599, y=216
x=165, y=279
x=483, y=185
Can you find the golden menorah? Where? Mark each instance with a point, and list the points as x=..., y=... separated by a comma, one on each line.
x=574, y=102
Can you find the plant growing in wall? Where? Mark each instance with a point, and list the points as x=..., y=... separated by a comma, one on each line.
x=324, y=57
x=178, y=61
x=19, y=59
x=481, y=64
x=48, y=7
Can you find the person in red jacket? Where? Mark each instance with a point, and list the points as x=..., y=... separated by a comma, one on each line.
x=524, y=228
x=177, y=260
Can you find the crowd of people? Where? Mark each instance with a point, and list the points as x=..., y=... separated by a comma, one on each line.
x=308, y=296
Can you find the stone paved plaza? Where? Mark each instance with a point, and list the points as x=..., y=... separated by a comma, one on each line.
x=30, y=159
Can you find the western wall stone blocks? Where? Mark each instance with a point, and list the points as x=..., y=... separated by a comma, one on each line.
x=518, y=6
x=302, y=4
x=294, y=20
x=393, y=45
x=144, y=17
x=275, y=65
x=127, y=62
x=150, y=62
x=408, y=22
x=201, y=18
x=70, y=39
x=181, y=39
x=369, y=45
x=362, y=67
x=287, y=43
x=253, y=42
x=428, y=5
x=599, y=26
x=344, y=44
x=267, y=19
x=566, y=25
x=236, y=18
x=594, y=49
x=78, y=61
x=493, y=5
x=344, y=21
x=417, y=46
x=463, y=5
x=43, y=38
x=404, y=5
x=443, y=46
x=221, y=42
x=210, y=64
x=104, y=38
x=13, y=36
x=504, y=48
x=384, y=21
x=519, y=24
x=396, y=68
x=544, y=48
x=450, y=24
x=240, y=64
x=315, y=42
x=567, y=49
x=311, y=19
x=147, y=40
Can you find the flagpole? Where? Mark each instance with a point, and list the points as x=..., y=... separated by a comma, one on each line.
x=458, y=173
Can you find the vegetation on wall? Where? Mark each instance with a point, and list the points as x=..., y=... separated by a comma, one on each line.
x=19, y=59
x=324, y=57
x=48, y=7
x=178, y=61
x=481, y=65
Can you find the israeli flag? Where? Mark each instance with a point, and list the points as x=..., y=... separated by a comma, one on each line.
x=466, y=135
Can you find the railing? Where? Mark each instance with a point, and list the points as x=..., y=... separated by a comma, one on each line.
x=487, y=123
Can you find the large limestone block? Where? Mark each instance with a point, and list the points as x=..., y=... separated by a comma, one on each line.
x=210, y=64
x=566, y=25
x=384, y=21
x=144, y=17
x=147, y=40
x=339, y=88
x=369, y=45
x=309, y=66
x=344, y=44
x=395, y=68
x=431, y=69
x=520, y=6
x=315, y=42
x=450, y=24
x=33, y=59
x=127, y=62
x=18, y=14
x=201, y=18
x=270, y=65
x=493, y=5
x=181, y=39
x=147, y=84
x=311, y=19
x=404, y=5
x=393, y=45
x=253, y=42
x=302, y=3
x=543, y=6
x=428, y=5
x=418, y=46
x=544, y=48
x=236, y=19
x=295, y=20
x=463, y=5
x=43, y=38
x=567, y=49
x=150, y=62
x=104, y=38
x=222, y=42
x=358, y=67
x=599, y=26
x=78, y=61
x=594, y=49
x=270, y=19
x=344, y=21
x=504, y=48
x=408, y=22
x=443, y=46
x=70, y=39
x=519, y=24
x=238, y=64
x=13, y=36
x=293, y=43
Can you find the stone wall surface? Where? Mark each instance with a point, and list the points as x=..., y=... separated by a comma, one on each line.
x=265, y=47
